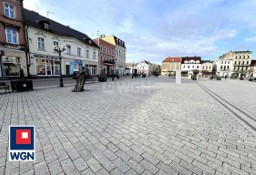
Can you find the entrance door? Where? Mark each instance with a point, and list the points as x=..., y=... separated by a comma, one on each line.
x=48, y=69
x=67, y=70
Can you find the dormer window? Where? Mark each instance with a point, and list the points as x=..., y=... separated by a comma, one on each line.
x=46, y=26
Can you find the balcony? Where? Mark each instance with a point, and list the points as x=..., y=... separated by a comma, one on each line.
x=109, y=62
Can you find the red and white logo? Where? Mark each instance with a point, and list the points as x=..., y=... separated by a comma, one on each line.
x=23, y=136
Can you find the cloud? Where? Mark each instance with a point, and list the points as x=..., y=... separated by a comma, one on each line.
x=224, y=34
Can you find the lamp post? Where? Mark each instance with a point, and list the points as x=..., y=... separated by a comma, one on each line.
x=60, y=50
x=1, y=67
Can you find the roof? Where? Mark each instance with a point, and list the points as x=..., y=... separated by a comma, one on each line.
x=119, y=42
x=195, y=58
x=246, y=51
x=206, y=61
x=172, y=59
x=147, y=62
x=34, y=19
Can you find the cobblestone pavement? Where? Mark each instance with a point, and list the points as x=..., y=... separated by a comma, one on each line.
x=131, y=126
x=240, y=93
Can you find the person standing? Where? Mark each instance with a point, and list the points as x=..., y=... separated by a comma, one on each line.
x=21, y=73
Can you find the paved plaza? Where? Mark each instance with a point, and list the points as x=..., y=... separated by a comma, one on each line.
x=133, y=126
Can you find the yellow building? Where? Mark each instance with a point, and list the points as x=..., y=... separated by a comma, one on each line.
x=170, y=65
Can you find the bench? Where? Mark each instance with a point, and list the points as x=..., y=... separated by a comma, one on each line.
x=5, y=86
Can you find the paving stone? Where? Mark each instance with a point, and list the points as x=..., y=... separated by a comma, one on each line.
x=80, y=164
x=116, y=172
x=55, y=167
x=121, y=165
x=166, y=169
x=94, y=165
x=136, y=166
x=67, y=166
x=150, y=167
x=41, y=168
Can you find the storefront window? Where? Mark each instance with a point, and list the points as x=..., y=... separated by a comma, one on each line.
x=47, y=67
x=11, y=66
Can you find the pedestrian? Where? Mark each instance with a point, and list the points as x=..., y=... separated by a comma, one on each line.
x=169, y=75
x=112, y=75
x=21, y=73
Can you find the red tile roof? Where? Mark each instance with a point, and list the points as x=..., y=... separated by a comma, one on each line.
x=172, y=59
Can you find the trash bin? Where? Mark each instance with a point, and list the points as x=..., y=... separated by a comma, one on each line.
x=22, y=85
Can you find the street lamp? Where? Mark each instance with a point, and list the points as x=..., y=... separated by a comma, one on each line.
x=60, y=50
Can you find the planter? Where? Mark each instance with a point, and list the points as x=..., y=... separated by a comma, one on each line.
x=22, y=85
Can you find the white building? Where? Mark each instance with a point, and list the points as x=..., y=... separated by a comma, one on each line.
x=237, y=62
x=224, y=67
x=190, y=65
x=144, y=67
x=43, y=34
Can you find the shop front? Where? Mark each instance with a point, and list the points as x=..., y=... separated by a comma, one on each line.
x=11, y=63
x=43, y=65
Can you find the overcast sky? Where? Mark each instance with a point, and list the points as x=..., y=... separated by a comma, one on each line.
x=156, y=29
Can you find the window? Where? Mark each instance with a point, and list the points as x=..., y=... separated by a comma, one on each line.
x=46, y=26
x=221, y=67
x=210, y=67
x=94, y=55
x=11, y=36
x=68, y=49
x=87, y=53
x=40, y=43
x=188, y=67
x=197, y=67
x=9, y=10
x=78, y=51
x=227, y=67
x=55, y=44
x=203, y=67
x=247, y=62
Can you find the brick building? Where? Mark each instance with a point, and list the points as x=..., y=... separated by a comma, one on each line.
x=12, y=39
x=106, y=56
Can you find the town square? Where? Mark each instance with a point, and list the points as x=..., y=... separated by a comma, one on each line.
x=128, y=87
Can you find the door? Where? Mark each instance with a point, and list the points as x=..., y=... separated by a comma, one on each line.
x=67, y=70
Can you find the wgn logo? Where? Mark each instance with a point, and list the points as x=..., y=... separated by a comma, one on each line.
x=21, y=143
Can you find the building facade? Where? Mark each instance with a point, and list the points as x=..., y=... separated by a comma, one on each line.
x=234, y=63
x=171, y=65
x=43, y=35
x=12, y=40
x=144, y=67
x=224, y=67
x=206, y=67
x=106, y=55
x=252, y=70
x=190, y=65
x=120, y=52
